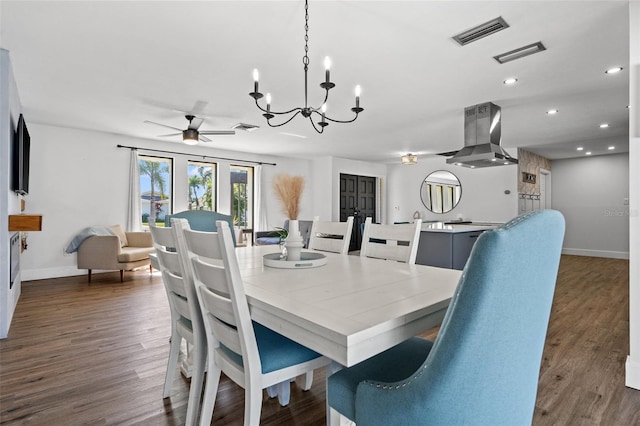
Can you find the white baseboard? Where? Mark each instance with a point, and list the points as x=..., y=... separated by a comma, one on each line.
x=41, y=274
x=632, y=373
x=597, y=253
x=59, y=272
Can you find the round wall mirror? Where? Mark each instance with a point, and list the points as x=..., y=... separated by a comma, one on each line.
x=440, y=191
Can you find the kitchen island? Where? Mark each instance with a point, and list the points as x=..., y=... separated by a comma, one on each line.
x=448, y=244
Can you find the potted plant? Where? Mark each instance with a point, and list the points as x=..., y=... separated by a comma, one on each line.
x=282, y=234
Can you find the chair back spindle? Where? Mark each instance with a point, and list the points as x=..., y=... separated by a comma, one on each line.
x=397, y=242
x=331, y=236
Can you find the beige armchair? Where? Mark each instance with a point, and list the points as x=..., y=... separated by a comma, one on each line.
x=123, y=252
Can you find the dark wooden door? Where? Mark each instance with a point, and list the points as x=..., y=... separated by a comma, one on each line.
x=357, y=199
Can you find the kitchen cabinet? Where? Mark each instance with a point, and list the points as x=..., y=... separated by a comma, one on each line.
x=447, y=248
x=462, y=245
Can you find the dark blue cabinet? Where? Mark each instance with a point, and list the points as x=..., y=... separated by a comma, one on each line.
x=446, y=249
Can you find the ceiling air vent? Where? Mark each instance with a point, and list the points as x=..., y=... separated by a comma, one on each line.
x=244, y=126
x=521, y=52
x=480, y=31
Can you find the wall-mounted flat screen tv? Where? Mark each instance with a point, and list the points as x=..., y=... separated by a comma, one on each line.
x=20, y=167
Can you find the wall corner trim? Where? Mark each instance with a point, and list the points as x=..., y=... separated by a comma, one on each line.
x=632, y=373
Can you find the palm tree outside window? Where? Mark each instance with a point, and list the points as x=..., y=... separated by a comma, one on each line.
x=242, y=196
x=156, y=189
x=202, y=184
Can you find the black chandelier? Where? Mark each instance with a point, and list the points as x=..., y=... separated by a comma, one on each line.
x=306, y=111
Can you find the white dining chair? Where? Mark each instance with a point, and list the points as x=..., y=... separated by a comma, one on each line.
x=253, y=356
x=331, y=236
x=392, y=242
x=186, y=318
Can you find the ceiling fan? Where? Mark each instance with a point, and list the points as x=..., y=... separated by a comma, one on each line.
x=191, y=135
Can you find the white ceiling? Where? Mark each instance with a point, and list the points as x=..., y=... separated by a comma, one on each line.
x=110, y=65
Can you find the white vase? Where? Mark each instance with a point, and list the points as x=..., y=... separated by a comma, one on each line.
x=293, y=242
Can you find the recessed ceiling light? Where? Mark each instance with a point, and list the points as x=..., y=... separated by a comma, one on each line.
x=506, y=163
x=493, y=159
x=604, y=125
x=510, y=81
x=579, y=148
x=552, y=111
x=613, y=70
x=587, y=153
x=611, y=148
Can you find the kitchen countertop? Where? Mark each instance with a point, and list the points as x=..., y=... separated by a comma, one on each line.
x=454, y=228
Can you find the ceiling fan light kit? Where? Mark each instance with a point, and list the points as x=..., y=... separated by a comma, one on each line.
x=306, y=111
x=190, y=136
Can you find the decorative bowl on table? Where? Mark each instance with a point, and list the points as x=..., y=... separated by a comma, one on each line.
x=308, y=259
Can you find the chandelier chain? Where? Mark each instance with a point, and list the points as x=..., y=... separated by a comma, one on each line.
x=305, y=58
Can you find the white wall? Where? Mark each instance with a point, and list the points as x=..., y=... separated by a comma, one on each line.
x=321, y=188
x=80, y=178
x=633, y=361
x=10, y=109
x=294, y=167
x=590, y=193
x=483, y=192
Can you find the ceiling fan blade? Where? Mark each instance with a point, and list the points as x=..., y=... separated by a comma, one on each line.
x=218, y=132
x=195, y=123
x=171, y=134
x=163, y=125
x=204, y=138
x=198, y=107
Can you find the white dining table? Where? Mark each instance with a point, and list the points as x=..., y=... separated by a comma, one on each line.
x=349, y=309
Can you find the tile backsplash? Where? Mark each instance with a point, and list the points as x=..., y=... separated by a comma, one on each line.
x=529, y=165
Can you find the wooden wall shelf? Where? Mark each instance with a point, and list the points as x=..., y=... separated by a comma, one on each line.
x=25, y=222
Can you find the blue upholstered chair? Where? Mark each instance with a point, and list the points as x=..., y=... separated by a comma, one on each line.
x=202, y=220
x=484, y=365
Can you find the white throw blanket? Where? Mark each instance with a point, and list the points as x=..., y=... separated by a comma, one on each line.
x=86, y=233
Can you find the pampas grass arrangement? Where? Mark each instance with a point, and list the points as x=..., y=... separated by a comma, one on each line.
x=288, y=190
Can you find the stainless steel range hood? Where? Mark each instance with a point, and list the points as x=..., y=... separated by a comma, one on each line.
x=482, y=134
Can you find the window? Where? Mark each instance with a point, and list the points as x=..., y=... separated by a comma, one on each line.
x=242, y=196
x=156, y=189
x=202, y=185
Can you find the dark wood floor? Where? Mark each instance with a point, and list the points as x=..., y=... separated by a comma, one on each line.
x=80, y=354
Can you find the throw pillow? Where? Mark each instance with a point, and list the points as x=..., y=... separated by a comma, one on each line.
x=120, y=233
